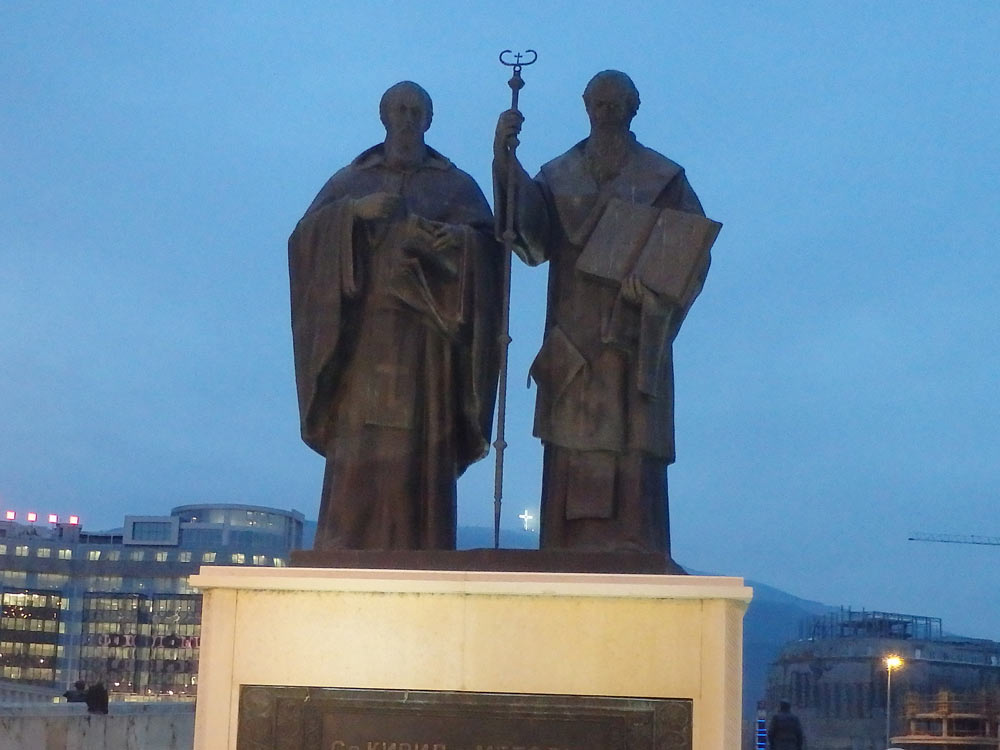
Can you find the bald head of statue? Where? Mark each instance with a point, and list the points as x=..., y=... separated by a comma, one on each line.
x=406, y=108
x=611, y=99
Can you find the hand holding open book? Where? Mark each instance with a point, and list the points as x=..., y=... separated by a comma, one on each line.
x=662, y=249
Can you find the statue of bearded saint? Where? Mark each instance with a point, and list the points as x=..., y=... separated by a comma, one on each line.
x=604, y=410
x=394, y=274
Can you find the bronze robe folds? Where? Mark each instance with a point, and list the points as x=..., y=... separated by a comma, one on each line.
x=395, y=351
x=604, y=409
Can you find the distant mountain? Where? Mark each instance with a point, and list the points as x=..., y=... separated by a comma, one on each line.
x=469, y=537
x=772, y=619
x=481, y=537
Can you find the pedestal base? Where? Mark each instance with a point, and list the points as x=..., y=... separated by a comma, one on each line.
x=522, y=634
x=496, y=560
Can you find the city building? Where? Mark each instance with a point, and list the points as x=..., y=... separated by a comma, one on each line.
x=950, y=721
x=836, y=679
x=116, y=606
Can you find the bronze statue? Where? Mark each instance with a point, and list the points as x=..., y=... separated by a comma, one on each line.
x=394, y=292
x=627, y=247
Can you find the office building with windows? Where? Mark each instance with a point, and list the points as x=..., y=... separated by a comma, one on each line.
x=836, y=678
x=116, y=606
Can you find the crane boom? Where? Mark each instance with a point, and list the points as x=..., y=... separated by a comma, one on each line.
x=956, y=539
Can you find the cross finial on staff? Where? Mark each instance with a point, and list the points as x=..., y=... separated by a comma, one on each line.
x=518, y=56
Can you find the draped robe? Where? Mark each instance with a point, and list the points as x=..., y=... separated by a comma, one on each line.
x=604, y=409
x=395, y=351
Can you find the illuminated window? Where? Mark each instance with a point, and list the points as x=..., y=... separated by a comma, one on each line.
x=94, y=554
x=3, y=549
x=21, y=550
x=53, y=581
x=161, y=556
x=208, y=557
x=114, y=555
x=279, y=562
x=183, y=557
x=260, y=559
x=136, y=555
x=65, y=554
x=238, y=558
x=43, y=552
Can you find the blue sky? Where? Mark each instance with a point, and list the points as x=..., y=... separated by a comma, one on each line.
x=836, y=381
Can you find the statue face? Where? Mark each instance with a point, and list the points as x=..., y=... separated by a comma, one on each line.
x=405, y=113
x=608, y=104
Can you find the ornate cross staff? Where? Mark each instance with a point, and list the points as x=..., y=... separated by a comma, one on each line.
x=516, y=83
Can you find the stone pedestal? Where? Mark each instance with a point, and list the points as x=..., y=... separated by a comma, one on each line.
x=563, y=634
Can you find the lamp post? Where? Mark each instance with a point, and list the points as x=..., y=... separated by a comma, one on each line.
x=891, y=662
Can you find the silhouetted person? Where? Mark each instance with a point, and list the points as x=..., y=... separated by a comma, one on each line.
x=77, y=693
x=97, y=699
x=784, y=732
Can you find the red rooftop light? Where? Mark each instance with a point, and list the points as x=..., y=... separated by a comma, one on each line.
x=53, y=518
x=10, y=515
x=32, y=516
x=74, y=520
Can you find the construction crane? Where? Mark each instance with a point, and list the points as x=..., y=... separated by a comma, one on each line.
x=956, y=539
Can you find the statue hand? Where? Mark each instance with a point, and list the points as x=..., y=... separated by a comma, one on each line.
x=377, y=206
x=508, y=128
x=633, y=290
x=446, y=237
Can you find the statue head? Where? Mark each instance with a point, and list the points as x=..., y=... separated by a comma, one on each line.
x=406, y=108
x=611, y=99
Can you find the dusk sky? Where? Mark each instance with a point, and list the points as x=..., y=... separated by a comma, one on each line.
x=836, y=382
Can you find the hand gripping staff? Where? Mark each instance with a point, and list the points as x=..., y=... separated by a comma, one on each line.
x=516, y=83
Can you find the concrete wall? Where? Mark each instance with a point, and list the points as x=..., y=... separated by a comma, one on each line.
x=68, y=726
x=15, y=691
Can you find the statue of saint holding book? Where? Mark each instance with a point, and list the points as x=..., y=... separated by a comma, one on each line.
x=628, y=246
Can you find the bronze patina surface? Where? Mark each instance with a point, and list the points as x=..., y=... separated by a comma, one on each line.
x=394, y=295
x=296, y=718
x=627, y=246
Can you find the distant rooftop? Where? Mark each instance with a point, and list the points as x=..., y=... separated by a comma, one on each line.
x=849, y=623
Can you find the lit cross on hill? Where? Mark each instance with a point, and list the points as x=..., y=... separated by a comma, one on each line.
x=526, y=517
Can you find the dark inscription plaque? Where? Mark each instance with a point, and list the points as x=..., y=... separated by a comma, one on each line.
x=288, y=718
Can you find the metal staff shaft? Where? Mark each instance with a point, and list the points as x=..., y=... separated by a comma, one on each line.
x=516, y=83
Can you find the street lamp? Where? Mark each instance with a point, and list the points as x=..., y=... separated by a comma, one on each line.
x=891, y=662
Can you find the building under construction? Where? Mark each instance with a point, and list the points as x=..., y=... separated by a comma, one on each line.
x=835, y=677
x=949, y=721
